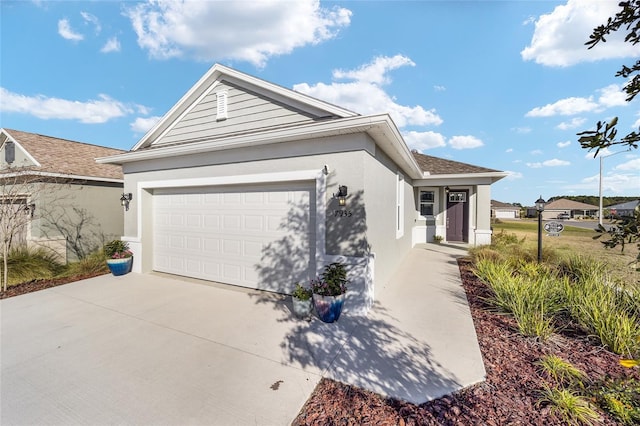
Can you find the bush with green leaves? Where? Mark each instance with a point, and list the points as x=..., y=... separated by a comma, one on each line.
x=92, y=264
x=621, y=398
x=569, y=406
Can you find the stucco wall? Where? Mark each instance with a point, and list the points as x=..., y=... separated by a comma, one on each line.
x=82, y=214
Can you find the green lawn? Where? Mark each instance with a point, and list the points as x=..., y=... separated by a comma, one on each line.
x=574, y=240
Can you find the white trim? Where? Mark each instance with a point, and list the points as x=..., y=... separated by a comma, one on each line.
x=60, y=175
x=400, y=210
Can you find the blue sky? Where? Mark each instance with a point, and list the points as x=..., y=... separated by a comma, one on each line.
x=500, y=84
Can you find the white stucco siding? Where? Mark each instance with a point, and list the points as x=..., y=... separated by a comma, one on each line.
x=246, y=111
x=380, y=183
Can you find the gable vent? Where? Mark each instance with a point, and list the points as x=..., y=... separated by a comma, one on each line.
x=221, y=98
x=9, y=152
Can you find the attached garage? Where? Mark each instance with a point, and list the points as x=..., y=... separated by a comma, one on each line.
x=505, y=214
x=258, y=236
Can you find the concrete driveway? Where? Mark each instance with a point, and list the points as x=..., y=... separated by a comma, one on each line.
x=153, y=350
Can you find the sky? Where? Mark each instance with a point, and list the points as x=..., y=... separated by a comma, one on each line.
x=499, y=84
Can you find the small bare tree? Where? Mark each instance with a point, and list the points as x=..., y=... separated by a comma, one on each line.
x=18, y=191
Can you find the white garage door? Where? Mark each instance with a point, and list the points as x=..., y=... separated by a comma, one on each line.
x=505, y=214
x=259, y=237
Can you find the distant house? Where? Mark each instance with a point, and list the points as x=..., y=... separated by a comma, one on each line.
x=73, y=201
x=564, y=206
x=623, y=209
x=500, y=210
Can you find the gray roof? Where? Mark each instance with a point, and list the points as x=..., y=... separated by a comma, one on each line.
x=67, y=157
x=629, y=205
x=440, y=166
x=565, y=204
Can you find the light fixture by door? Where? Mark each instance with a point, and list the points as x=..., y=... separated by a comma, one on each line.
x=341, y=195
x=125, y=199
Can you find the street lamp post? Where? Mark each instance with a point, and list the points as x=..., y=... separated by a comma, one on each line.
x=540, y=208
x=600, y=183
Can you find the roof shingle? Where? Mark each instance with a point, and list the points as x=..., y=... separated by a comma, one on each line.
x=67, y=157
x=440, y=166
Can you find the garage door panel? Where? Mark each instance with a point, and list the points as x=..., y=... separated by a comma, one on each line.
x=259, y=237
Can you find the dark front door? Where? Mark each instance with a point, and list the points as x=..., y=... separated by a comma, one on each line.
x=457, y=216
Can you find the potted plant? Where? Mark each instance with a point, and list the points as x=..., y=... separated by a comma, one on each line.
x=437, y=239
x=302, y=302
x=329, y=290
x=119, y=257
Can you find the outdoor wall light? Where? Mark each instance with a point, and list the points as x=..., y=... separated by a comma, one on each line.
x=30, y=209
x=540, y=208
x=341, y=195
x=125, y=199
x=446, y=189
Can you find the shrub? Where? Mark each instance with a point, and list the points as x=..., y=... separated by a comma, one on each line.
x=301, y=292
x=27, y=264
x=621, y=398
x=561, y=372
x=569, y=406
x=603, y=310
x=91, y=265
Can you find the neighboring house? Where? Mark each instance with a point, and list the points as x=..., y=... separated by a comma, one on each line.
x=73, y=202
x=248, y=183
x=623, y=209
x=563, y=207
x=501, y=210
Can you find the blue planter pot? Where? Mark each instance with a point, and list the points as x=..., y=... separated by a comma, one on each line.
x=120, y=266
x=328, y=308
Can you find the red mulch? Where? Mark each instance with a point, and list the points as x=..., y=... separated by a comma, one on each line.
x=508, y=396
x=35, y=285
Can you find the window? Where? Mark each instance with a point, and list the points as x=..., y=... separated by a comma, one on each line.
x=427, y=200
x=457, y=197
x=399, y=205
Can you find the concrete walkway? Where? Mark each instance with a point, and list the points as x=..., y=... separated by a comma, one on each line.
x=148, y=349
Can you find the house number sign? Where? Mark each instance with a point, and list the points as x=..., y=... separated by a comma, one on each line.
x=342, y=213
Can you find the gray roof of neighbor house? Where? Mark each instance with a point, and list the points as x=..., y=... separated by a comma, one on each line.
x=65, y=157
x=499, y=204
x=564, y=204
x=629, y=205
x=440, y=166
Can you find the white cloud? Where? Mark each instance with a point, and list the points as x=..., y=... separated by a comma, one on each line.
x=549, y=163
x=368, y=96
x=619, y=183
x=536, y=152
x=422, y=141
x=513, y=175
x=91, y=19
x=509, y=150
x=555, y=163
x=211, y=31
x=93, y=111
x=439, y=88
x=567, y=106
x=112, y=45
x=612, y=96
x=143, y=125
x=375, y=72
x=65, y=31
x=465, y=142
x=629, y=165
x=559, y=36
x=636, y=123
x=573, y=124
x=522, y=130
x=563, y=144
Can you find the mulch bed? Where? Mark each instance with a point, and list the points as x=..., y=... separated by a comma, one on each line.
x=509, y=396
x=35, y=285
